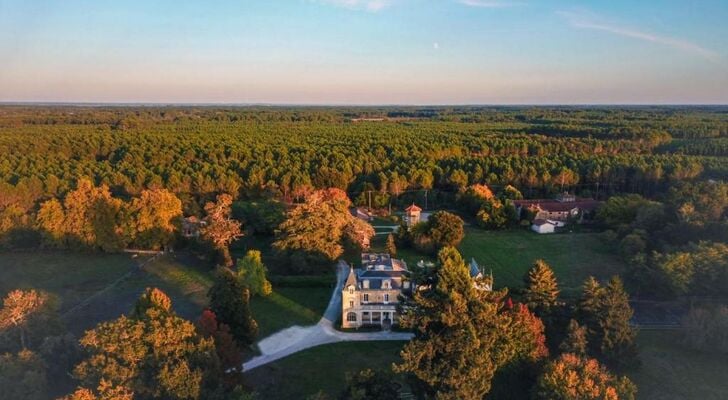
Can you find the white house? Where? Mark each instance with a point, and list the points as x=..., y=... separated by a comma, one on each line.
x=545, y=225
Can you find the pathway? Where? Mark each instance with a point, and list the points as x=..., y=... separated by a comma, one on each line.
x=297, y=338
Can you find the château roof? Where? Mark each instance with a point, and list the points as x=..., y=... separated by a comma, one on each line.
x=351, y=279
x=412, y=208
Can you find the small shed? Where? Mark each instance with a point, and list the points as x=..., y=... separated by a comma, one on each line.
x=543, y=226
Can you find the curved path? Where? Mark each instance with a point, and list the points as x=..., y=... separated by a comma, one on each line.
x=297, y=338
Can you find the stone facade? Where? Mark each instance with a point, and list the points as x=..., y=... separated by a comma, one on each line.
x=370, y=294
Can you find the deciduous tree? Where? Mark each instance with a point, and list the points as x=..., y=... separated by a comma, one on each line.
x=153, y=353
x=252, y=274
x=221, y=230
x=571, y=377
x=229, y=300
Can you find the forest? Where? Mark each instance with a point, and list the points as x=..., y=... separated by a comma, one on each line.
x=250, y=153
x=101, y=179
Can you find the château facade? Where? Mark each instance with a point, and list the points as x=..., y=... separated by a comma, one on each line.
x=370, y=294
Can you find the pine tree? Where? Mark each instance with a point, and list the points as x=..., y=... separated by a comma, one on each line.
x=229, y=300
x=575, y=341
x=605, y=312
x=461, y=337
x=542, y=291
x=391, y=246
x=618, y=337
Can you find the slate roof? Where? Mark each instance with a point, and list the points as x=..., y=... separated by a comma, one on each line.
x=551, y=205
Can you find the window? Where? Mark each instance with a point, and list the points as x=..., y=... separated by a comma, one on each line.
x=351, y=290
x=351, y=317
x=366, y=284
x=385, y=284
x=386, y=297
x=351, y=303
x=366, y=297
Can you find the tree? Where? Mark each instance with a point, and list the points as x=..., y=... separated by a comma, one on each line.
x=571, y=377
x=221, y=230
x=23, y=376
x=153, y=353
x=316, y=230
x=441, y=229
x=50, y=220
x=576, y=339
x=456, y=324
x=231, y=358
x=260, y=217
x=617, y=335
x=93, y=217
x=391, y=246
x=542, y=291
x=229, y=300
x=26, y=318
x=156, y=216
x=370, y=385
x=252, y=274
x=605, y=312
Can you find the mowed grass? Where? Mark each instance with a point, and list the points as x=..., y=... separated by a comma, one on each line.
x=511, y=253
x=75, y=277
x=670, y=371
x=71, y=277
x=320, y=368
x=288, y=306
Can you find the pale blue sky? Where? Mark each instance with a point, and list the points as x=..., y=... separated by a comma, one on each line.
x=365, y=51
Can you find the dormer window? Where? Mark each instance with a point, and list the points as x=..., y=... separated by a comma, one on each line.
x=366, y=284
x=386, y=284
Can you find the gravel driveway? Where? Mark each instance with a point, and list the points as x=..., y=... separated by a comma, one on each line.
x=297, y=338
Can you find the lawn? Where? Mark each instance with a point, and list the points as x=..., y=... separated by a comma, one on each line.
x=70, y=277
x=670, y=371
x=320, y=368
x=289, y=306
x=573, y=256
x=509, y=254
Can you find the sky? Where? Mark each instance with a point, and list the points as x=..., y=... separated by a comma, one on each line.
x=365, y=51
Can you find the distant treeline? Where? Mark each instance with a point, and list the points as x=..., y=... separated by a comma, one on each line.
x=251, y=152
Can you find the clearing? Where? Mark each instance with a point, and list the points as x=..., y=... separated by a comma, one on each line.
x=511, y=253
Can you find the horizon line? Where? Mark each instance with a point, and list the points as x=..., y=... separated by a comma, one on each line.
x=283, y=104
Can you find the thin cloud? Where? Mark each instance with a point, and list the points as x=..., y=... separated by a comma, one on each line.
x=590, y=21
x=368, y=5
x=489, y=3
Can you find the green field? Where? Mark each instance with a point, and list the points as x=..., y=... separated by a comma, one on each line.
x=74, y=277
x=670, y=371
x=289, y=306
x=320, y=368
x=69, y=277
x=509, y=254
x=573, y=256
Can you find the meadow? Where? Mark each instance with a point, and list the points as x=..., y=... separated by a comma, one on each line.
x=510, y=254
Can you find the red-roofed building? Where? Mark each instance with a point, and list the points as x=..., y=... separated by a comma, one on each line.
x=412, y=213
x=563, y=208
